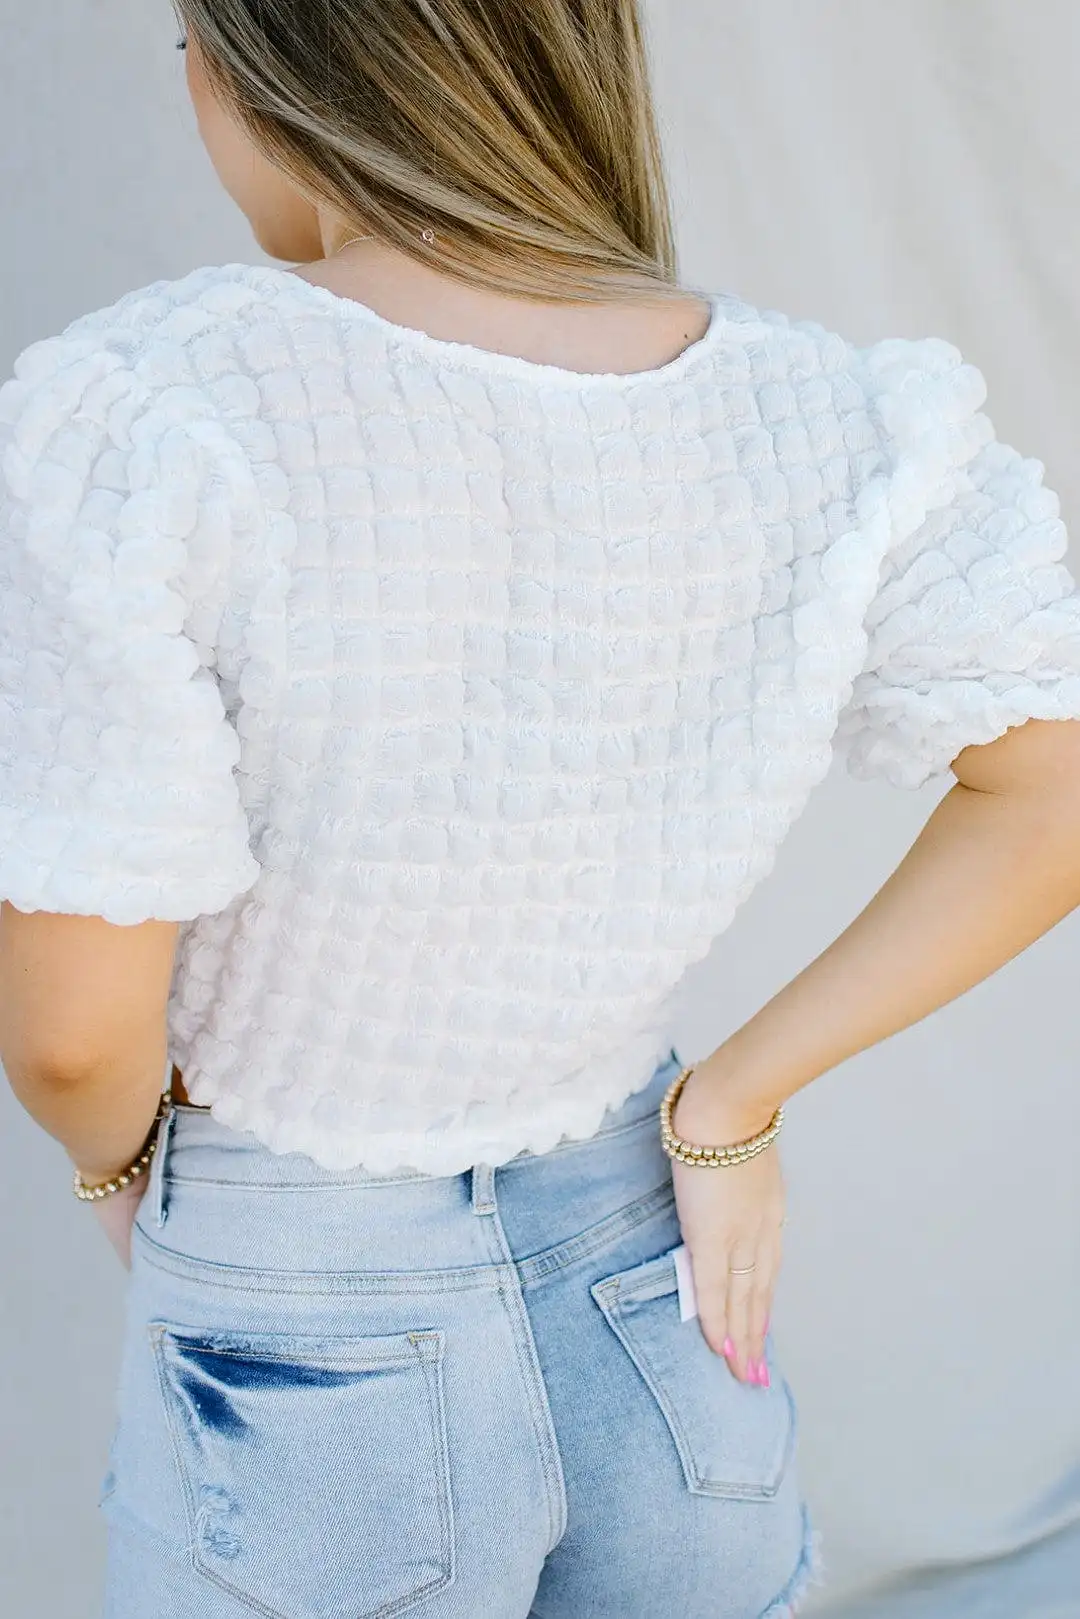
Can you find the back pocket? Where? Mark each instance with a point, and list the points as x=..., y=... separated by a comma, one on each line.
x=315, y=1469
x=734, y=1440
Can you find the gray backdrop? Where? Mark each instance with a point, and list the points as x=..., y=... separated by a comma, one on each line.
x=907, y=169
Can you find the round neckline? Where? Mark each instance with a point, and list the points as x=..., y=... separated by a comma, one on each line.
x=448, y=351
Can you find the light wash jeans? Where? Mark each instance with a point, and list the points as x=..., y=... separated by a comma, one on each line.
x=463, y=1397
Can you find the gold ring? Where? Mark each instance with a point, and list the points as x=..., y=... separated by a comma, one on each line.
x=741, y=1270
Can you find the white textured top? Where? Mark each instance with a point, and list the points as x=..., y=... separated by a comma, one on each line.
x=455, y=702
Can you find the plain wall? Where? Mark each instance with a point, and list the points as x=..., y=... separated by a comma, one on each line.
x=908, y=170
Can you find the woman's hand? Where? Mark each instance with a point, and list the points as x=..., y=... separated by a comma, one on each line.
x=116, y=1215
x=731, y=1219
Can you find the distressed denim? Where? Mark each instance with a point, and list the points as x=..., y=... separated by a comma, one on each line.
x=463, y=1397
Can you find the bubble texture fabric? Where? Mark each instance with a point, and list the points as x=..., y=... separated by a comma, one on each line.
x=453, y=703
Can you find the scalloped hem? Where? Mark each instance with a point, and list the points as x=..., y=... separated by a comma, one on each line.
x=397, y=1155
x=807, y=1576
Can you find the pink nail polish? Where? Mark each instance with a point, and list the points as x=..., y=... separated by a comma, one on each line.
x=729, y=1349
x=764, y=1379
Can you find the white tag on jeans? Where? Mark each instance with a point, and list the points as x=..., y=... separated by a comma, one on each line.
x=685, y=1278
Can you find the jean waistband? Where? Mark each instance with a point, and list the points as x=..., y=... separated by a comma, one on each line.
x=225, y=1153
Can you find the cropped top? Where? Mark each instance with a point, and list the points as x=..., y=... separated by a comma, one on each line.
x=452, y=702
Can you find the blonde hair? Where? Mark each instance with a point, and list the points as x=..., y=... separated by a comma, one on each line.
x=522, y=132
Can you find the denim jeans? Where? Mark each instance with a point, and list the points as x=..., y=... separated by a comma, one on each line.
x=463, y=1397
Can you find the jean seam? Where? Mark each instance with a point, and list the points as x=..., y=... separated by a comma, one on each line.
x=250, y=1279
x=511, y=1298
x=536, y=1269
x=512, y=1304
x=435, y=1382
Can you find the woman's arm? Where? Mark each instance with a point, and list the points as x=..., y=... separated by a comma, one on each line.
x=995, y=867
x=82, y=1029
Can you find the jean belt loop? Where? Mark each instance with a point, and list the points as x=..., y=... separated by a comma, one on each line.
x=483, y=1189
x=156, y=1189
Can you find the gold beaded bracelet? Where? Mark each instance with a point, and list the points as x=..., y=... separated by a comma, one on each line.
x=714, y=1157
x=90, y=1194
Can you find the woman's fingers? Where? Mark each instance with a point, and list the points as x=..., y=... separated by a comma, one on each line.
x=761, y=1302
x=760, y=1308
x=116, y=1215
x=734, y=1301
x=710, y=1290
x=741, y=1272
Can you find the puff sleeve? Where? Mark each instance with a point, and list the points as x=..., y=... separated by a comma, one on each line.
x=117, y=792
x=975, y=623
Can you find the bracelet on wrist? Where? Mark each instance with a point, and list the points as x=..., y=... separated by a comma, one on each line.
x=139, y=1166
x=688, y=1152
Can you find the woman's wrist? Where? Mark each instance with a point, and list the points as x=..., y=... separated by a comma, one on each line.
x=720, y=1105
x=134, y=1167
x=94, y=1171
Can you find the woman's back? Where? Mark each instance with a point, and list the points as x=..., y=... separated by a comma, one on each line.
x=454, y=700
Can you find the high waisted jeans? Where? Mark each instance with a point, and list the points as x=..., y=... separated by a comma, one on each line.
x=466, y=1397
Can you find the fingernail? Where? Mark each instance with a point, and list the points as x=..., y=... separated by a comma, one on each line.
x=764, y=1379
x=729, y=1349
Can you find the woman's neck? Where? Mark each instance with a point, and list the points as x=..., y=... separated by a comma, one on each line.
x=614, y=337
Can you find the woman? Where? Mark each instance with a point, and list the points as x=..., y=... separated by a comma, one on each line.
x=411, y=659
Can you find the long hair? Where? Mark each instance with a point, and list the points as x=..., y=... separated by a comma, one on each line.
x=523, y=133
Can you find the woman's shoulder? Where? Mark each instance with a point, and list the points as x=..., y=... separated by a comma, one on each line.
x=161, y=355
x=98, y=404
x=907, y=408
x=929, y=365
x=168, y=311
